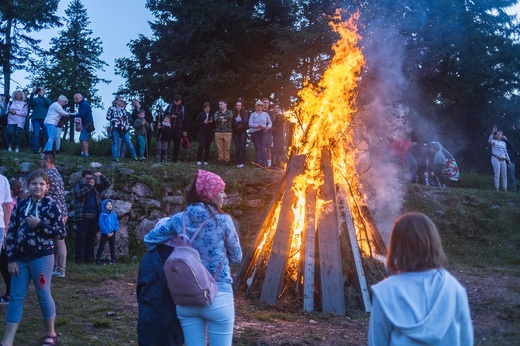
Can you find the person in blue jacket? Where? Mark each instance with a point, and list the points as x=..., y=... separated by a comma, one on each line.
x=108, y=225
x=420, y=303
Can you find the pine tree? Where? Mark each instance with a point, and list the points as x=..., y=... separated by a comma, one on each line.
x=72, y=62
x=18, y=18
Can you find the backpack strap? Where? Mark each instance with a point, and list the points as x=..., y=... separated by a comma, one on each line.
x=184, y=237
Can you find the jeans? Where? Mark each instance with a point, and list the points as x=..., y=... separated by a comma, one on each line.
x=218, y=318
x=38, y=131
x=259, y=139
x=27, y=130
x=125, y=138
x=86, y=231
x=111, y=244
x=205, y=139
x=58, y=138
x=40, y=271
x=500, y=172
x=51, y=135
x=162, y=150
x=13, y=133
x=141, y=140
x=2, y=236
x=240, y=147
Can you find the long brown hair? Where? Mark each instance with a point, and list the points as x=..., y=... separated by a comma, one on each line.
x=415, y=245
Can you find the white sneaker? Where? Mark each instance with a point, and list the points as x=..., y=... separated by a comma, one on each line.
x=199, y=163
x=205, y=163
x=240, y=166
x=17, y=150
x=9, y=149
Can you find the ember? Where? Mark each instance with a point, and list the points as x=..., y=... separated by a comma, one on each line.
x=300, y=235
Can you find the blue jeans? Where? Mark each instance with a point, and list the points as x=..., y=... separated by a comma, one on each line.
x=38, y=130
x=27, y=128
x=511, y=175
x=240, y=147
x=259, y=139
x=218, y=318
x=13, y=134
x=116, y=138
x=51, y=134
x=2, y=236
x=38, y=270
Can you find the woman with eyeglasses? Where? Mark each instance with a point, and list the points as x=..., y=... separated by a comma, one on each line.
x=260, y=123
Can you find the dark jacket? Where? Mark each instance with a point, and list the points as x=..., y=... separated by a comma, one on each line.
x=80, y=192
x=165, y=133
x=199, y=123
x=157, y=322
x=26, y=243
x=178, y=116
x=140, y=128
x=40, y=106
x=85, y=112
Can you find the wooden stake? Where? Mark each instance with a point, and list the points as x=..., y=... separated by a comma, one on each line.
x=275, y=271
x=331, y=273
x=310, y=250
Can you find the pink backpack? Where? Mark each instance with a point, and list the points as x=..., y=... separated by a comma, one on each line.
x=189, y=282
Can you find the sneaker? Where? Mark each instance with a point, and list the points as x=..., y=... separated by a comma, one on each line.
x=115, y=160
x=17, y=150
x=58, y=274
x=136, y=158
x=206, y=164
x=142, y=158
x=165, y=161
x=240, y=166
x=9, y=149
x=199, y=163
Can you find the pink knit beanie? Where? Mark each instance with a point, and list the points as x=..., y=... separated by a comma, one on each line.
x=208, y=185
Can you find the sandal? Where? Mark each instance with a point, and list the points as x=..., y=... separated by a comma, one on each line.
x=50, y=343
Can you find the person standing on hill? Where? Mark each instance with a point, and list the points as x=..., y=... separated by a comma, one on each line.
x=108, y=226
x=240, y=124
x=178, y=121
x=511, y=175
x=85, y=114
x=164, y=137
x=205, y=129
x=87, y=203
x=57, y=193
x=137, y=107
x=142, y=127
x=54, y=115
x=499, y=158
x=223, y=132
x=39, y=104
x=119, y=126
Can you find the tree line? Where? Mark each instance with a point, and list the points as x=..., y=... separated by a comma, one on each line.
x=452, y=66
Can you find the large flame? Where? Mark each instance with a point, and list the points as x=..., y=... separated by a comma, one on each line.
x=324, y=119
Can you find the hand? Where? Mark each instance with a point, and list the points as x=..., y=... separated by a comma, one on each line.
x=33, y=221
x=13, y=268
x=110, y=234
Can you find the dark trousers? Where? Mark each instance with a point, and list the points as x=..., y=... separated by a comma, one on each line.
x=240, y=147
x=86, y=231
x=205, y=139
x=5, y=273
x=177, y=135
x=111, y=244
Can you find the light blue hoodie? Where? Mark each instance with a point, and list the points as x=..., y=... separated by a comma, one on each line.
x=420, y=308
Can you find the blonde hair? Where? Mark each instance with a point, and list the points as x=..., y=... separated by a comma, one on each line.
x=415, y=245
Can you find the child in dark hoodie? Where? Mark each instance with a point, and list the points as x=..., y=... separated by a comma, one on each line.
x=108, y=224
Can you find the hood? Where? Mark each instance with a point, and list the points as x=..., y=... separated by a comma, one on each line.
x=420, y=305
x=198, y=212
x=104, y=203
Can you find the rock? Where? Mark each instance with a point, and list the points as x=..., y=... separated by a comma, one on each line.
x=233, y=201
x=74, y=178
x=27, y=167
x=95, y=165
x=126, y=171
x=144, y=227
x=150, y=203
x=237, y=212
x=141, y=190
x=175, y=200
x=254, y=201
x=121, y=207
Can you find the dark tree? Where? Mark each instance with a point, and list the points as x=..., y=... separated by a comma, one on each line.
x=18, y=18
x=72, y=62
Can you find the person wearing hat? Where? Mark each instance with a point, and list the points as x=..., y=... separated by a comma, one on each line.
x=218, y=245
x=260, y=123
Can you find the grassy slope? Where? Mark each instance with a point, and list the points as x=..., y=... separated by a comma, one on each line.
x=479, y=230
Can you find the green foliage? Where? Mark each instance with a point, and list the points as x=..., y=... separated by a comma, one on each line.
x=18, y=18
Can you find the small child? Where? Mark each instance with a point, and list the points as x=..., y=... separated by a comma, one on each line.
x=164, y=137
x=439, y=163
x=185, y=142
x=108, y=224
x=141, y=129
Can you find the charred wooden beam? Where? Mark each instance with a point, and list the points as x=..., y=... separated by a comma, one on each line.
x=310, y=250
x=275, y=271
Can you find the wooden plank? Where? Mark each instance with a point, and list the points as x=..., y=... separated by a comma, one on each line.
x=252, y=253
x=310, y=249
x=331, y=273
x=358, y=264
x=275, y=271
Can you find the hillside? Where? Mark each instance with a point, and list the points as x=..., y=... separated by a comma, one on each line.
x=479, y=227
